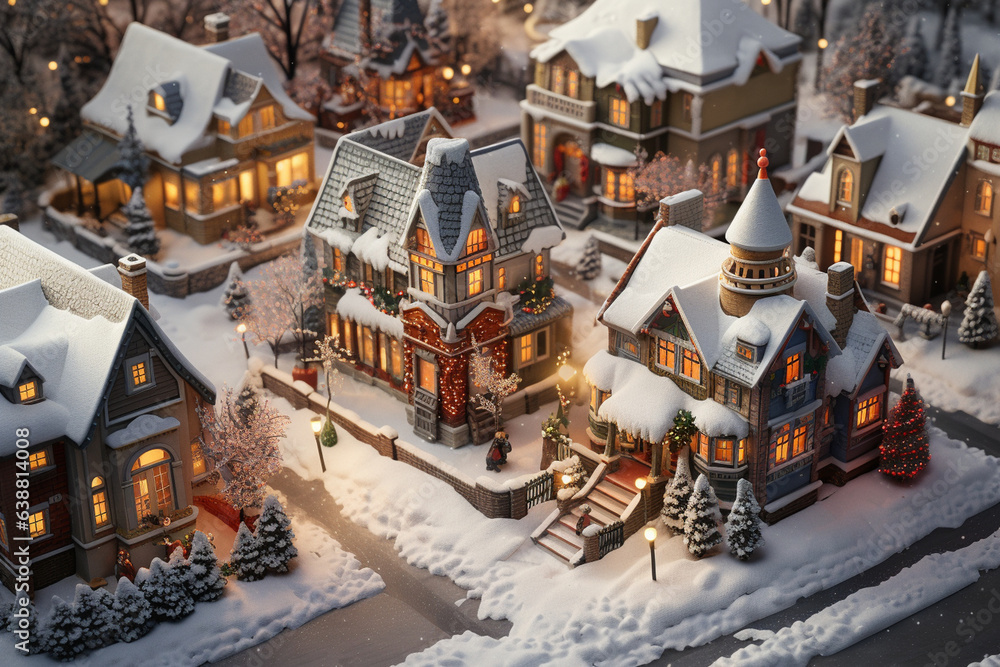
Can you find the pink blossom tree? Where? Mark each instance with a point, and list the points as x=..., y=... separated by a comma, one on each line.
x=242, y=443
x=666, y=175
x=287, y=297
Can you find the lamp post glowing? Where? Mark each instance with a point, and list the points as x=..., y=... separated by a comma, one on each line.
x=242, y=330
x=650, y=535
x=640, y=484
x=946, y=311
x=317, y=425
x=567, y=480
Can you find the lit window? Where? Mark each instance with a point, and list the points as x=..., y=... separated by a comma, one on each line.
x=890, y=266
x=426, y=375
x=978, y=247
x=198, y=464
x=192, y=196
x=159, y=103
x=475, y=282
x=666, y=354
x=245, y=128
x=424, y=244
x=224, y=193
x=572, y=83
x=338, y=260
x=793, y=367
x=300, y=166
x=267, y=118
x=734, y=396
x=502, y=278
x=744, y=351
x=716, y=173
x=781, y=444
x=367, y=346
x=426, y=281
x=247, y=185
x=984, y=198
x=100, y=501
x=982, y=152
x=619, y=185
x=348, y=204
x=723, y=450
x=515, y=204
x=732, y=168
x=39, y=459
x=151, y=472
x=703, y=446
x=558, y=80
x=225, y=127
x=28, y=391
x=690, y=365
x=538, y=147
x=139, y=373
x=741, y=456
x=171, y=194
x=349, y=337
x=526, y=345
x=869, y=411
x=476, y=241
x=799, y=440
x=857, y=254
x=845, y=187
x=397, y=358
x=539, y=267
x=838, y=245
x=37, y=524
x=619, y=112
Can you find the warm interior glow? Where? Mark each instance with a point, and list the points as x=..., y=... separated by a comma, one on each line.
x=466, y=69
x=566, y=479
x=822, y=43
x=950, y=100
x=53, y=65
x=241, y=328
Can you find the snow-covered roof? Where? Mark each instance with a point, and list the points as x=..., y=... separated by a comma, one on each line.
x=449, y=196
x=345, y=39
x=985, y=126
x=902, y=181
x=602, y=41
x=612, y=156
x=401, y=136
x=69, y=325
x=356, y=307
x=760, y=224
x=864, y=340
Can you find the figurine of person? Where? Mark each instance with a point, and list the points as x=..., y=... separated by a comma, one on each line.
x=584, y=519
x=494, y=457
x=500, y=440
x=124, y=567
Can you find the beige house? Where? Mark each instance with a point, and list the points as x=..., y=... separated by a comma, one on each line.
x=628, y=76
x=216, y=123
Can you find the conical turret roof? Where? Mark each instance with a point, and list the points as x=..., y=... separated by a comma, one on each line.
x=760, y=224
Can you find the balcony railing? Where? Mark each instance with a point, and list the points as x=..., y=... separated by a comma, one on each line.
x=567, y=106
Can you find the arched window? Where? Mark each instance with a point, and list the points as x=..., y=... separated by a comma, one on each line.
x=502, y=278
x=539, y=267
x=845, y=187
x=99, y=498
x=732, y=168
x=152, y=483
x=716, y=173
x=984, y=198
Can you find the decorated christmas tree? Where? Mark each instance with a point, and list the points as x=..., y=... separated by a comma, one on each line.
x=979, y=325
x=682, y=431
x=589, y=266
x=236, y=298
x=743, y=525
x=246, y=560
x=96, y=614
x=135, y=617
x=166, y=590
x=905, y=450
x=62, y=635
x=207, y=581
x=701, y=520
x=274, y=536
x=676, y=496
x=140, y=231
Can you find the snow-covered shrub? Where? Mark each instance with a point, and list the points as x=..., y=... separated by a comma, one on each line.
x=701, y=520
x=62, y=635
x=743, y=534
x=246, y=560
x=135, y=616
x=207, y=582
x=97, y=618
x=274, y=536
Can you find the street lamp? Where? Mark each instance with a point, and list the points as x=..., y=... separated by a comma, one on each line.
x=241, y=329
x=946, y=311
x=640, y=484
x=317, y=425
x=650, y=535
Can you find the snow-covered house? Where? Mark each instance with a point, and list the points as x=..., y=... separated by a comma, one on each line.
x=388, y=54
x=215, y=121
x=708, y=81
x=907, y=198
x=781, y=365
x=102, y=406
x=426, y=243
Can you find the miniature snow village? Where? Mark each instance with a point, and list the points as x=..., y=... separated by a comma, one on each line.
x=675, y=350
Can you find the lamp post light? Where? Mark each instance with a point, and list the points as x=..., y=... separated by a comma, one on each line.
x=317, y=425
x=650, y=535
x=946, y=311
x=640, y=484
x=241, y=329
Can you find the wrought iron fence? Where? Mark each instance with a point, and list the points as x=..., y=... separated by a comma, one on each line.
x=611, y=537
x=539, y=489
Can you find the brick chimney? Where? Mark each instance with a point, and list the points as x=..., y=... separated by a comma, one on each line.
x=972, y=96
x=9, y=220
x=133, y=272
x=644, y=26
x=866, y=92
x=840, y=298
x=684, y=209
x=217, y=27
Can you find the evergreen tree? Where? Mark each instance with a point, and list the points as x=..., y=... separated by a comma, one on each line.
x=438, y=29
x=743, y=525
x=140, y=230
x=96, y=614
x=682, y=431
x=247, y=402
x=589, y=266
x=701, y=520
x=949, y=63
x=274, y=536
x=207, y=581
x=166, y=590
x=246, y=560
x=236, y=298
x=912, y=60
x=27, y=623
x=905, y=450
x=806, y=22
x=979, y=325
x=133, y=165
x=310, y=264
x=62, y=636
x=676, y=496
x=135, y=616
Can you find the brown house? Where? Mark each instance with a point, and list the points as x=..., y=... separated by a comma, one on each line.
x=906, y=198
x=216, y=123
x=104, y=406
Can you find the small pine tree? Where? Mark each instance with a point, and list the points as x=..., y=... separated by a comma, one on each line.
x=310, y=263
x=28, y=623
x=274, y=534
x=62, y=635
x=246, y=559
x=949, y=61
x=438, y=29
x=207, y=582
x=589, y=266
x=682, y=431
x=701, y=520
x=236, y=298
x=140, y=230
x=979, y=325
x=905, y=450
x=135, y=616
x=166, y=590
x=133, y=165
x=676, y=496
x=743, y=525
x=95, y=611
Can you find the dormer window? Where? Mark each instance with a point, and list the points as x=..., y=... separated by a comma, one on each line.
x=29, y=391
x=164, y=100
x=348, y=204
x=159, y=103
x=424, y=245
x=476, y=241
x=514, y=206
x=746, y=351
x=845, y=188
x=138, y=373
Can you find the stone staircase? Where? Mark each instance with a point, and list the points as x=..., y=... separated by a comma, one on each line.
x=608, y=500
x=573, y=212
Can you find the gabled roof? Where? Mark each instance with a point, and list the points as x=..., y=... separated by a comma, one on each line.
x=345, y=38
x=865, y=340
x=70, y=325
x=400, y=137
x=985, y=126
x=602, y=41
x=867, y=138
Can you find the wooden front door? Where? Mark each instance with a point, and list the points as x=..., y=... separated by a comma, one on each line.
x=425, y=414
